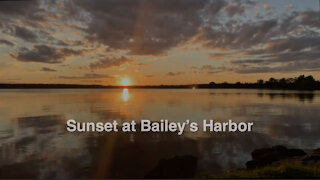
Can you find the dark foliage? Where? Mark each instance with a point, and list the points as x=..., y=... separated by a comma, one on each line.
x=299, y=83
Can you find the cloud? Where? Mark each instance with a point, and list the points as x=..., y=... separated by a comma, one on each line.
x=293, y=44
x=109, y=62
x=204, y=67
x=289, y=6
x=87, y=76
x=36, y=20
x=149, y=76
x=6, y=42
x=219, y=56
x=210, y=69
x=280, y=42
x=69, y=42
x=274, y=45
x=291, y=67
x=45, y=54
x=174, y=73
x=234, y=9
x=239, y=37
x=29, y=9
x=280, y=62
x=143, y=27
x=25, y=34
x=48, y=69
x=21, y=18
x=265, y=6
x=310, y=18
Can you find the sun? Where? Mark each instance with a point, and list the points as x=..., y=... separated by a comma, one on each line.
x=125, y=82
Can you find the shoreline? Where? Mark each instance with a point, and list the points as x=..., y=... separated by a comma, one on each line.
x=148, y=87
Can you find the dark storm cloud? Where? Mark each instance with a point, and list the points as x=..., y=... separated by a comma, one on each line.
x=86, y=76
x=310, y=18
x=29, y=9
x=25, y=34
x=45, y=54
x=109, y=62
x=48, y=69
x=31, y=34
x=145, y=27
x=6, y=42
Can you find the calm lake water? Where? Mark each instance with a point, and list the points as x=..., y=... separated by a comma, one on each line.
x=34, y=141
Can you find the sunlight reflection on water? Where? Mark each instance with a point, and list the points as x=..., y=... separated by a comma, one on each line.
x=125, y=94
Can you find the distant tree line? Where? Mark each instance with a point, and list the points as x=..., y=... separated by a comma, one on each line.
x=299, y=83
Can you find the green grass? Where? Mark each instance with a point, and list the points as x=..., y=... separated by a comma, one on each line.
x=280, y=171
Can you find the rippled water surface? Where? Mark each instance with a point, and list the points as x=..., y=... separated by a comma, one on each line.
x=34, y=141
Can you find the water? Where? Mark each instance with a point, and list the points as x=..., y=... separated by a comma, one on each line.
x=34, y=141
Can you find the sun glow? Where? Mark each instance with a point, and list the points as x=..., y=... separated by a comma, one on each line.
x=125, y=82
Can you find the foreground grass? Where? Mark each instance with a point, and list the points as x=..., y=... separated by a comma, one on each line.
x=280, y=171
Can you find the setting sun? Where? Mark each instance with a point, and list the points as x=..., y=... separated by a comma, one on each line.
x=125, y=82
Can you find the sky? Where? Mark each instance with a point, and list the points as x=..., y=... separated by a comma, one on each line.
x=157, y=42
